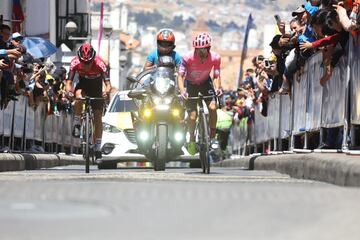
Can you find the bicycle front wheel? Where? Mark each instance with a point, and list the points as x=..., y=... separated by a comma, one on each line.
x=87, y=147
x=204, y=143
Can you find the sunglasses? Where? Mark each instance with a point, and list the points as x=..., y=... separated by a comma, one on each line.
x=165, y=44
x=202, y=50
x=18, y=39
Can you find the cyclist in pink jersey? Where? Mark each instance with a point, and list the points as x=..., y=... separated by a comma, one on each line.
x=194, y=78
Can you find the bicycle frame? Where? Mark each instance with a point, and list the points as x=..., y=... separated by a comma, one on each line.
x=87, y=117
x=204, y=135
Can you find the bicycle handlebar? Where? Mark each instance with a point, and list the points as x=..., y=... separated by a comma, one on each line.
x=89, y=98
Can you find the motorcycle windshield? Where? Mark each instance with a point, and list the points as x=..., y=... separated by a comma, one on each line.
x=164, y=79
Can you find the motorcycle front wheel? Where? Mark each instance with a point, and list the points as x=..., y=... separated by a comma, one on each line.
x=160, y=156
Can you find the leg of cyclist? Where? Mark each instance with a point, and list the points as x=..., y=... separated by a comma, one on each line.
x=191, y=106
x=95, y=90
x=212, y=106
x=191, y=125
x=98, y=131
x=77, y=113
x=208, y=90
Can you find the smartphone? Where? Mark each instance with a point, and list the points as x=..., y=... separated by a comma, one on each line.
x=267, y=63
x=259, y=58
x=278, y=19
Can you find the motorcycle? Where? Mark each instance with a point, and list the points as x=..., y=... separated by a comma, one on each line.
x=160, y=133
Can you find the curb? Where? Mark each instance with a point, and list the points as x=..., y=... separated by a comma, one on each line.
x=11, y=162
x=27, y=161
x=339, y=169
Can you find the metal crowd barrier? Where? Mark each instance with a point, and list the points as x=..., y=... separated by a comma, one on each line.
x=312, y=107
x=22, y=127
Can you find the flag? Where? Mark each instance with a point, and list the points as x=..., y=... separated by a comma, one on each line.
x=100, y=25
x=17, y=15
x=249, y=25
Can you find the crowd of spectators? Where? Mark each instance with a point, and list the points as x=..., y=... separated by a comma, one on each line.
x=317, y=25
x=20, y=74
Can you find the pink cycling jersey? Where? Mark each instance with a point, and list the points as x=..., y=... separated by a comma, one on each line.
x=197, y=72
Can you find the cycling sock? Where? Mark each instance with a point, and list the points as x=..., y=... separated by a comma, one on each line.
x=212, y=132
x=97, y=144
x=76, y=120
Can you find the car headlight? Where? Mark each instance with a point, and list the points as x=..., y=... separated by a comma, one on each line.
x=109, y=128
x=162, y=85
x=108, y=148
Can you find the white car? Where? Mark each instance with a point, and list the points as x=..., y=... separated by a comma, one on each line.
x=118, y=132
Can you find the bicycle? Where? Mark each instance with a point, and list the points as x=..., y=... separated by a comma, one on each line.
x=87, y=133
x=203, y=133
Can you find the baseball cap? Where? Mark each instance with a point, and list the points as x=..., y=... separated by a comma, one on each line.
x=16, y=35
x=299, y=10
x=310, y=9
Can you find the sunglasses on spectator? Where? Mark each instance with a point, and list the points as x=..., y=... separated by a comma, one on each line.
x=18, y=39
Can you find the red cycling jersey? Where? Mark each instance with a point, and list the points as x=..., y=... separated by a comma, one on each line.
x=97, y=69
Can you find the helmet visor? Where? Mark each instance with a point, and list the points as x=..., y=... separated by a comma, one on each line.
x=166, y=45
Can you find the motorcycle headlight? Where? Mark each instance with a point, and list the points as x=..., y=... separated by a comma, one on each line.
x=175, y=112
x=162, y=85
x=167, y=100
x=109, y=128
x=157, y=100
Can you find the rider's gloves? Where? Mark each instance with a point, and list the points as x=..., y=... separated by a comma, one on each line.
x=219, y=92
x=184, y=95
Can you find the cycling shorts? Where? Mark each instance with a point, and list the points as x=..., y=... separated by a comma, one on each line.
x=206, y=89
x=91, y=87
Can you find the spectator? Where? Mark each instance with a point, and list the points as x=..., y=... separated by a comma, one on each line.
x=331, y=55
x=352, y=22
x=299, y=14
x=249, y=77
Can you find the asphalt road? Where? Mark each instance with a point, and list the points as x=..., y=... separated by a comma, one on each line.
x=65, y=203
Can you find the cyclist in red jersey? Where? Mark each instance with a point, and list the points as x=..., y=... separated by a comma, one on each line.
x=92, y=72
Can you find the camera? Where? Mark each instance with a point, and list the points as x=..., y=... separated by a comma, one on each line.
x=259, y=58
x=267, y=63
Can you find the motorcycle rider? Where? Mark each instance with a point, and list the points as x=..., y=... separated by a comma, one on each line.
x=92, y=72
x=165, y=39
x=194, y=77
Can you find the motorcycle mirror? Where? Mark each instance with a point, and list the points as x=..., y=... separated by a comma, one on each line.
x=137, y=93
x=132, y=79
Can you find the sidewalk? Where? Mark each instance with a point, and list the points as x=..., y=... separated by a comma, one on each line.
x=335, y=168
x=27, y=161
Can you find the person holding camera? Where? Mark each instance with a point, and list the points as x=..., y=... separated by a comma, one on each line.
x=8, y=91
